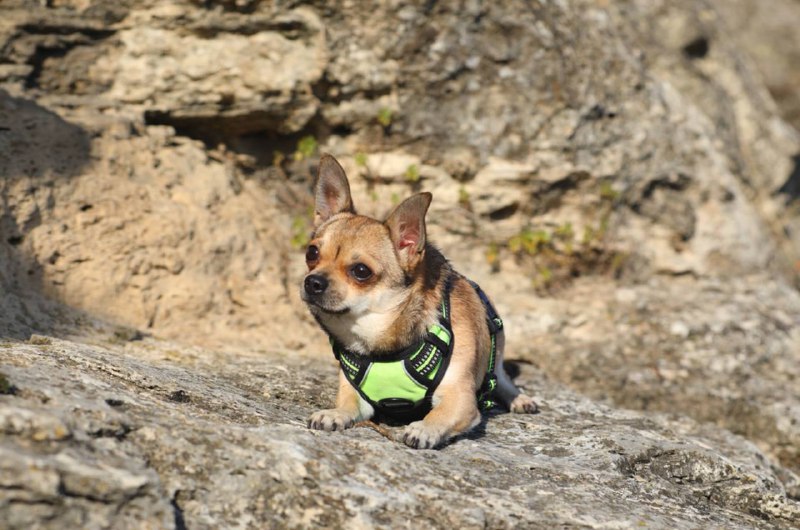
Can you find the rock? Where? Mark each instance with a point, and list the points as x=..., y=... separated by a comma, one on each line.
x=707, y=354
x=767, y=34
x=278, y=57
x=679, y=329
x=461, y=163
x=123, y=93
x=40, y=340
x=236, y=454
x=68, y=490
x=494, y=192
x=393, y=166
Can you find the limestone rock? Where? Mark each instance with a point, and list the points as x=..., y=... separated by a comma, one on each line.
x=235, y=451
x=120, y=90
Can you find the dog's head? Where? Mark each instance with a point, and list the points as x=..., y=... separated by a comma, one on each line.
x=359, y=268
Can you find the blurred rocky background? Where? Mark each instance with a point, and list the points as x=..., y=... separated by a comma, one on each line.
x=621, y=177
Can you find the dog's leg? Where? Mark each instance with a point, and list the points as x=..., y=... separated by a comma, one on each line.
x=507, y=391
x=350, y=408
x=455, y=409
x=455, y=412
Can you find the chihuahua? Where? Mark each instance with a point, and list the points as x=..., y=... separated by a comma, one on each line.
x=414, y=338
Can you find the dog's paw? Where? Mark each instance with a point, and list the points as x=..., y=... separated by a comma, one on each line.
x=523, y=404
x=331, y=420
x=420, y=435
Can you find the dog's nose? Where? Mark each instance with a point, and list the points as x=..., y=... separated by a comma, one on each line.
x=316, y=284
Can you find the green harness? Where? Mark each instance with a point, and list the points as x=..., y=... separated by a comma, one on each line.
x=400, y=385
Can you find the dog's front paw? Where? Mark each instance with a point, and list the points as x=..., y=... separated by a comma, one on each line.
x=523, y=404
x=421, y=435
x=331, y=420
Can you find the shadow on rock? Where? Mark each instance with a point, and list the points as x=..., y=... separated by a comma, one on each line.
x=791, y=188
x=37, y=149
x=37, y=142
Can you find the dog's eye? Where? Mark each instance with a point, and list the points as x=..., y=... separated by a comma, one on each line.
x=312, y=254
x=361, y=272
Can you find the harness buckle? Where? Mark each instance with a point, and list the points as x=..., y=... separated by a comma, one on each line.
x=396, y=404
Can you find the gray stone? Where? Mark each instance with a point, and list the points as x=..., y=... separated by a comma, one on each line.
x=239, y=454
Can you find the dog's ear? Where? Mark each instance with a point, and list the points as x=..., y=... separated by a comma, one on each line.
x=332, y=193
x=406, y=225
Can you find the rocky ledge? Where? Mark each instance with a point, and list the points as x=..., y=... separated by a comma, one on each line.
x=149, y=434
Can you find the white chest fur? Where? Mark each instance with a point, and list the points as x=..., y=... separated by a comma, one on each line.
x=367, y=322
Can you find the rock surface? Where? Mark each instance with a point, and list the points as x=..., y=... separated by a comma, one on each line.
x=767, y=32
x=521, y=119
x=152, y=435
x=616, y=175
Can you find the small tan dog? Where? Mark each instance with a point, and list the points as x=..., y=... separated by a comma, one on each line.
x=414, y=339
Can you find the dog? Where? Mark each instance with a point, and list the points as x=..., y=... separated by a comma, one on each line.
x=415, y=340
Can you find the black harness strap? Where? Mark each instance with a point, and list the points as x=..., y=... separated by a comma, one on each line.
x=495, y=325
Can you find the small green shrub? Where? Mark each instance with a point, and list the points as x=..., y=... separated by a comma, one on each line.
x=385, y=117
x=412, y=174
x=300, y=230
x=463, y=197
x=306, y=147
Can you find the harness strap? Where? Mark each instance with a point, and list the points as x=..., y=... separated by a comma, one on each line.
x=495, y=325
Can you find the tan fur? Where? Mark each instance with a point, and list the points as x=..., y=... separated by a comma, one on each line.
x=395, y=307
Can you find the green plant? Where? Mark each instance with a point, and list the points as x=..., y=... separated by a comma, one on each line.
x=564, y=232
x=300, y=230
x=529, y=241
x=361, y=159
x=306, y=147
x=385, y=117
x=618, y=262
x=602, y=228
x=412, y=173
x=588, y=235
x=463, y=197
x=5, y=385
x=557, y=256
x=544, y=278
x=607, y=192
